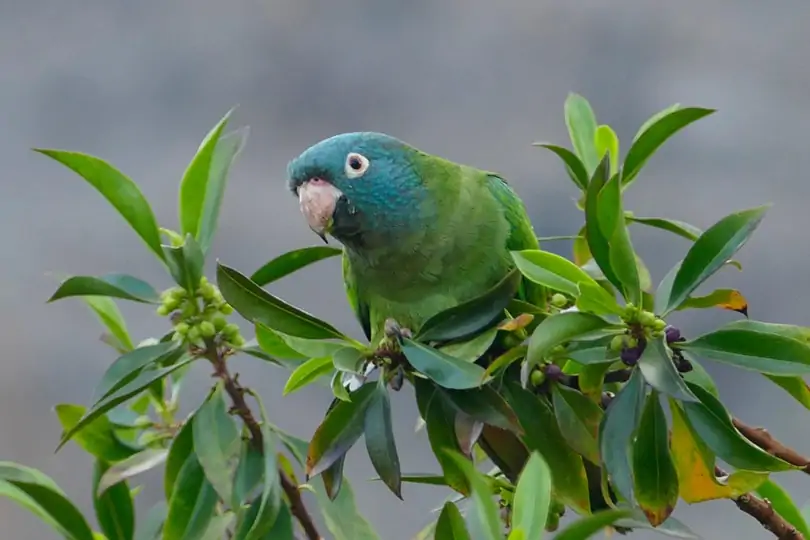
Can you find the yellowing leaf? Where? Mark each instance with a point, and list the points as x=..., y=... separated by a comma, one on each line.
x=694, y=464
x=521, y=321
x=730, y=299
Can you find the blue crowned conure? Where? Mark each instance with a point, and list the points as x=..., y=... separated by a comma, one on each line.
x=420, y=233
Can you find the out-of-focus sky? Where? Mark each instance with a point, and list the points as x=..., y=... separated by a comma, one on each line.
x=140, y=83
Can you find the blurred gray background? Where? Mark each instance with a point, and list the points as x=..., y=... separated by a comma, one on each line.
x=140, y=83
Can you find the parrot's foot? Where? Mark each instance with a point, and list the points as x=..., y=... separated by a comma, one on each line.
x=393, y=330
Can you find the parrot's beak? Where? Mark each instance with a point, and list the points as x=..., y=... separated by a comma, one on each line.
x=318, y=200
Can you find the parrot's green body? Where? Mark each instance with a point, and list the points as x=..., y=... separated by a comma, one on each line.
x=421, y=234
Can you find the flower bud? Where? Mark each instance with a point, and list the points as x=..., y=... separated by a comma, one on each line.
x=219, y=322
x=659, y=324
x=230, y=329
x=181, y=328
x=646, y=318
x=559, y=300
x=207, y=329
x=617, y=343
x=538, y=377
x=226, y=309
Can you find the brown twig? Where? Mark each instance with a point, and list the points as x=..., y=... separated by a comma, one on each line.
x=240, y=407
x=762, y=510
x=765, y=440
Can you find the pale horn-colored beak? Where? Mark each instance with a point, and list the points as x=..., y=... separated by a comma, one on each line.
x=318, y=199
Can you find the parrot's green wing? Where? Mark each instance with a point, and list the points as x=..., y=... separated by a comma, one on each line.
x=359, y=307
x=521, y=234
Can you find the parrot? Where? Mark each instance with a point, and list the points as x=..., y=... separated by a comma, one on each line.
x=420, y=233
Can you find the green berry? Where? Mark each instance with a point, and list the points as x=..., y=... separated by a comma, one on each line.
x=559, y=300
x=646, y=318
x=538, y=377
x=632, y=342
x=226, y=309
x=207, y=329
x=178, y=293
x=207, y=291
x=219, y=322
x=177, y=336
x=237, y=340
x=193, y=333
x=181, y=328
x=162, y=310
x=203, y=280
x=659, y=324
x=617, y=343
x=230, y=329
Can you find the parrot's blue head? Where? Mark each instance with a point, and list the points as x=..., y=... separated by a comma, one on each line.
x=361, y=188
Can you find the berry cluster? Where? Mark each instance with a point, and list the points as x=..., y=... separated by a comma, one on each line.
x=200, y=316
x=641, y=326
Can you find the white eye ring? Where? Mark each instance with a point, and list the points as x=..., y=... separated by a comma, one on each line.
x=356, y=165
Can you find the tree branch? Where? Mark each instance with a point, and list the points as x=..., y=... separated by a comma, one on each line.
x=765, y=440
x=240, y=407
x=762, y=510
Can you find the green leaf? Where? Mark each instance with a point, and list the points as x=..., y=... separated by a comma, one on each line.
x=348, y=359
x=597, y=241
x=654, y=118
x=481, y=495
x=621, y=255
x=379, y=435
x=586, y=527
x=153, y=524
x=110, y=317
x=471, y=316
x=654, y=474
x=656, y=134
x=136, y=464
x=472, y=349
x=782, y=502
x=216, y=442
x=114, y=508
x=290, y=262
x=504, y=448
x=573, y=165
x=773, y=354
x=593, y=298
x=137, y=385
x=129, y=365
x=228, y=147
x=712, y=423
x=249, y=473
x=181, y=448
x=341, y=515
x=218, y=526
x=616, y=433
x=119, y=190
x=592, y=351
x=485, y=405
x=607, y=142
x=560, y=328
x=664, y=290
x=698, y=375
x=192, y=504
x=709, y=252
x=450, y=525
x=308, y=372
x=581, y=123
x=338, y=388
x=553, y=271
x=671, y=527
x=257, y=305
x=659, y=371
x=272, y=343
x=339, y=431
x=185, y=263
x=532, y=500
x=38, y=493
x=194, y=186
x=270, y=502
x=680, y=228
x=439, y=417
x=97, y=438
x=110, y=285
x=445, y=370
x=579, y=419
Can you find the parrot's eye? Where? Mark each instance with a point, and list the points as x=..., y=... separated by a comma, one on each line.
x=356, y=165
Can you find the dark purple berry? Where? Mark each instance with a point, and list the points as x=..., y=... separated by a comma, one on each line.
x=630, y=355
x=553, y=372
x=672, y=333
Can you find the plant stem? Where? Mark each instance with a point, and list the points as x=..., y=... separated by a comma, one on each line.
x=240, y=407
